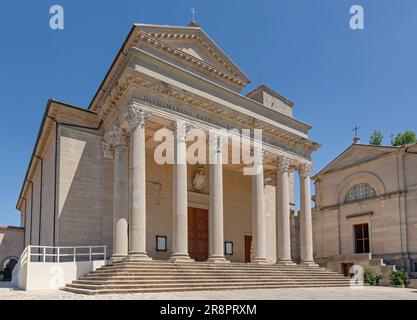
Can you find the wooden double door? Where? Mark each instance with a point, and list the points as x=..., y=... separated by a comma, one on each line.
x=198, y=234
x=198, y=245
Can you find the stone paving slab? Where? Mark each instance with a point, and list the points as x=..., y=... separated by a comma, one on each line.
x=8, y=292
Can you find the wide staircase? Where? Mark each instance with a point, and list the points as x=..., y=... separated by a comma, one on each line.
x=159, y=276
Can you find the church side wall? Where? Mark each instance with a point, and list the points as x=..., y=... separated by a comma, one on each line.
x=36, y=216
x=28, y=215
x=80, y=188
x=48, y=194
x=410, y=166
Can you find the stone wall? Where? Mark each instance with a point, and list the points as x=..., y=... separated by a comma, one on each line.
x=80, y=188
x=11, y=245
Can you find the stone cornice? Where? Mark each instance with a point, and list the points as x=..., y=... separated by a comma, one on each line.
x=191, y=60
x=378, y=198
x=6, y=228
x=357, y=215
x=328, y=171
x=134, y=37
x=195, y=33
x=131, y=80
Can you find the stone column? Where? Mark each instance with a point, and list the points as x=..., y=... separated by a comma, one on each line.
x=137, y=232
x=180, y=196
x=120, y=199
x=283, y=212
x=306, y=225
x=258, y=209
x=216, y=230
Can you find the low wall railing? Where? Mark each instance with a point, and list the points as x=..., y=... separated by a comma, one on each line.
x=48, y=254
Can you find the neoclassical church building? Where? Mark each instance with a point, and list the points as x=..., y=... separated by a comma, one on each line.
x=366, y=208
x=93, y=179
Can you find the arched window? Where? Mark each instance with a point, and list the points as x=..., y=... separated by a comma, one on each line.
x=359, y=192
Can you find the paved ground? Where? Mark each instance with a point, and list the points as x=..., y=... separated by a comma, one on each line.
x=7, y=292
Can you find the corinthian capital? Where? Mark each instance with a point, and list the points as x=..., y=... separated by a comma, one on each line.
x=137, y=117
x=181, y=128
x=283, y=164
x=108, y=150
x=118, y=136
x=304, y=170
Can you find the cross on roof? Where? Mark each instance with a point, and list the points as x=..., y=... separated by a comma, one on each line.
x=356, y=129
x=194, y=12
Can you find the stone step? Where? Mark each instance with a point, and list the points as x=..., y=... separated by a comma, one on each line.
x=190, y=266
x=168, y=277
x=288, y=269
x=194, y=285
x=201, y=288
x=194, y=281
x=376, y=262
x=223, y=273
x=132, y=277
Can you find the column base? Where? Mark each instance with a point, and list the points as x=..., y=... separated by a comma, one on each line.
x=118, y=257
x=180, y=257
x=138, y=256
x=217, y=259
x=260, y=261
x=285, y=262
x=308, y=263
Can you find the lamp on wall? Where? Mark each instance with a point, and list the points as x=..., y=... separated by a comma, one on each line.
x=161, y=243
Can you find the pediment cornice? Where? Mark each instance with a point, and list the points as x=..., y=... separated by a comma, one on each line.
x=172, y=33
x=225, y=75
x=227, y=72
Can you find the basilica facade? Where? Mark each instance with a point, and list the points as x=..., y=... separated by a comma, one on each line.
x=93, y=178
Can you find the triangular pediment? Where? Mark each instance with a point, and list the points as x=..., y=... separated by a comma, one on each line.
x=357, y=154
x=195, y=43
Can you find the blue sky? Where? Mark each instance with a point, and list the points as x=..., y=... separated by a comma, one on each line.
x=304, y=49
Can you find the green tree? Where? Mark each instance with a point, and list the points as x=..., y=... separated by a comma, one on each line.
x=376, y=138
x=404, y=138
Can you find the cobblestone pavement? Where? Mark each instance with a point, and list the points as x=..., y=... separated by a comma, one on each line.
x=8, y=292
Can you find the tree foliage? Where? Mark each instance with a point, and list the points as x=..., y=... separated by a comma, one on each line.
x=376, y=138
x=404, y=138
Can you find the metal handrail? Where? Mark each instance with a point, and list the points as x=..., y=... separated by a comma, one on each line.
x=57, y=253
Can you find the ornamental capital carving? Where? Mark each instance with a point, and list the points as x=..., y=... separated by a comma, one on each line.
x=137, y=117
x=258, y=155
x=304, y=170
x=119, y=136
x=283, y=164
x=181, y=129
x=108, y=151
x=216, y=141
